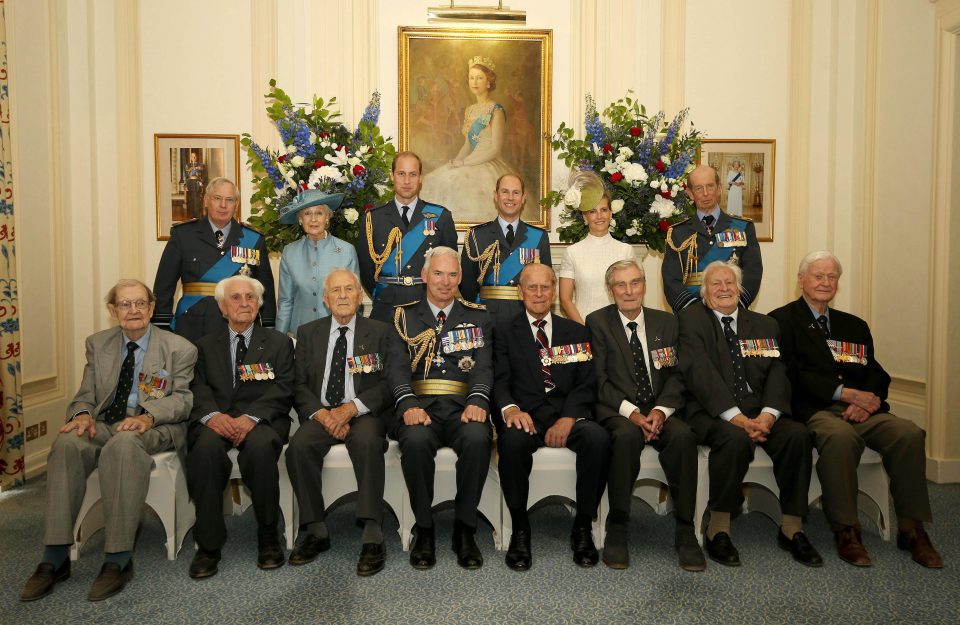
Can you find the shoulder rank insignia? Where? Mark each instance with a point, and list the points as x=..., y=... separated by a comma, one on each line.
x=471, y=304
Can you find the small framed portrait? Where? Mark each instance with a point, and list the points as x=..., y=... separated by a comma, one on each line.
x=184, y=166
x=746, y=168
x=474, y=105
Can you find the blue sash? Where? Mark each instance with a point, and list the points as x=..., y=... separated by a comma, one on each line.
x=223, y=268
x=716, y=252
x=511, y=267
x=411, y=243
x=735, y=178
x=473, y=135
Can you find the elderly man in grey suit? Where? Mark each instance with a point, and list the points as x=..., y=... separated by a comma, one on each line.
x=640, y=390
x=133, y=401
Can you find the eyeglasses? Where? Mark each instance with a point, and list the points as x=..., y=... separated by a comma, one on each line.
x=125, y=305
x=225, y=199
x=700, y=188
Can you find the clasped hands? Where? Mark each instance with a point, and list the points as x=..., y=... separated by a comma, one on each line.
x=336, y=421
x=419, y=416
x=651, y=423
x=234, y=429
x=860, y=404
x=555, y=436
x=83, y=422
x=757, y=429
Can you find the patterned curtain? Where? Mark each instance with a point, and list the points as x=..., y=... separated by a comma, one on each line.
x=11, y=407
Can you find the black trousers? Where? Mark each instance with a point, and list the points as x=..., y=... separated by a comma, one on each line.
x=677, y=446
x=366, y=443
x=789, y=445
x=208, y=471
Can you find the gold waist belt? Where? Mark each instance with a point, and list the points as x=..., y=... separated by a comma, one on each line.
x=439, y=387
x=199, y=288
x=694, y=279
x=499, y=292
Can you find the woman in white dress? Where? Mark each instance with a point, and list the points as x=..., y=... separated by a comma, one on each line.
x=735, y=184
x=582, y=286
x=466, y=181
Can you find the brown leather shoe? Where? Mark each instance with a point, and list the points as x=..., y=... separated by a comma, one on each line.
x=921, y=549
x=850, y=547
x=110, y=581
x=43, y=580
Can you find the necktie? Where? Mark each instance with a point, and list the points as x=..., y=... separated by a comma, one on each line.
x=510, y=235
x=405, y=217
x=548, y=383
x=441, y=317
x=708, y=223
x=336, y=384
x=118, y=409
x=219, y=235
x=238, y=358
x=644, y=390
x=740, y=389
x=822, y=320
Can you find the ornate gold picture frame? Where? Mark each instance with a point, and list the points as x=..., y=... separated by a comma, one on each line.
x=746, y=168
x=470, y=131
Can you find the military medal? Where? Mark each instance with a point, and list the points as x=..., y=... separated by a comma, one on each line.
x=765, y=348
x=270, y=374
x=844, y=351
x=466, y=363
x=152, y=385
x=663, y=357
x=528, y=255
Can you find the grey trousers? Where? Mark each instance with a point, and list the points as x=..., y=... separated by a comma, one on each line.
x=840, y=443
x=125, y=464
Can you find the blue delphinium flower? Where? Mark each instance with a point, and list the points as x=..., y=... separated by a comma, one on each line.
x=592, y=123
x=268, y=164
x=678, y=166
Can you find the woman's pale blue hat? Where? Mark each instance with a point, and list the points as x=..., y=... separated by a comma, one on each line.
x=306, y=199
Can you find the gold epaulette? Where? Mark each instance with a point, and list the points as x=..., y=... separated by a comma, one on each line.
x=416, y=301
x=473, y=305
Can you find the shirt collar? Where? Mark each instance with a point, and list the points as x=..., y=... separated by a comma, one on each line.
x=247, y=334
x=816, y=314
x=721, y=315
x=412, y=205
x=436, y=310
x=531, y=319
x=625, y=320
x=715, y=212
x=142, y=342
x=504, y=223
x=335, y=325
x=225, y=230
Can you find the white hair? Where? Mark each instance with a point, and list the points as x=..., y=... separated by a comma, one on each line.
x=439, y=251
x=221, y=180
x=326, y=281
x=220, y=293
x=621, y=265
x=716, y=266
x=813, y=257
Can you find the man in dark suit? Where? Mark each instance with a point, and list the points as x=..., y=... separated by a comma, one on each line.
x=739, y=397
x=709, y=236
x=199, y=254
x=341, y=396
x=545, y=386
x=395, y=237
x=440, y=369
x=133, y=402
x=242, y=393
x=640, y=389
x=495, y=252
x=840, y=390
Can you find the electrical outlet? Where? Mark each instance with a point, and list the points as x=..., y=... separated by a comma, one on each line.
x=31, y=432
x=43, y=428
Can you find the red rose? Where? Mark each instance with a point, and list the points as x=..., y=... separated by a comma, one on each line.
x=341, y=148
x=303, y=185
x=607, y=148
x=317, y=164
x=665, y=195
x=616, y=177
x=634, y=132
x=324, y=135
x=358, y=170
x=664, y=225
x=367, y=207
x=660, y=166
x=282, y=158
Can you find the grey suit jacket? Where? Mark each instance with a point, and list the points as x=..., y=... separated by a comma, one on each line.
x=168, y=356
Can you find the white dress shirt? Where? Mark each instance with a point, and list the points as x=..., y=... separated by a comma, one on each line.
x=730, y=413
x=626, y=407
x=349, y=394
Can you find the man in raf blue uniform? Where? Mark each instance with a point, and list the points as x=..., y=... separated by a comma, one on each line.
x=709, y=236
x=495, y=252
x=440, y=368
x=202, y=252
x=395, y=237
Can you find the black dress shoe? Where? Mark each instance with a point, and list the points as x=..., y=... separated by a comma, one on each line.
x=204, y=563
x=423, y=551
x=721, y=550
x=464, y=545
x=800, y=548
x=308, y=549
x=585, y=553
x=616, y=549
x=269, y=552
x=373, y=556
x=519, y=557
x=43, y=580
x=110, y=581
x=689, y=554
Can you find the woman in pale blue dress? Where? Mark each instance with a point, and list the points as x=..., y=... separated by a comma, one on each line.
x=306, y=262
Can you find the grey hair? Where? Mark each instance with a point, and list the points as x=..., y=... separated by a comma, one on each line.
x=716, y=266
x=221, y=180
x=553, y=274
x=111, y=297
x=813, y=257
x=326, y=281
x=326, y=210
x=220, y=293
x=441, y=250
x=623, y=264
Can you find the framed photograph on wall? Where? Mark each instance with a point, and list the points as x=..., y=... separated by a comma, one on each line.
x=184, y=166
x=475, y=104
x=746, y=168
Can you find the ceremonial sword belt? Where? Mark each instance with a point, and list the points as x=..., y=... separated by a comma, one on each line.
x=500, y=292
x=199, y=288
x=438, y=387
x=402, y=280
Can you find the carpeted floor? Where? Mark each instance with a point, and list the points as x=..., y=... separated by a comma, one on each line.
x=768, y=588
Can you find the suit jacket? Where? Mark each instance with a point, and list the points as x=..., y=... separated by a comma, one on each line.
x=519, y=380
x=268, y=400
x=168, y=356
x=370, y=337
x=613, y=360
x=708, y=368
x=302, y=272
x=190, y=252
x=813, y=372
x=748, y=257
x=477, y=240
x=384, y=219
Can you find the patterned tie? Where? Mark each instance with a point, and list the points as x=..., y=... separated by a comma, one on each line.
x=708, y=223
x=219, y=235
x=118, y=409
x=644, y=390
x=548, y=383
x=510, y=235
x=336, y=385
x=406, y=217
x=441, y=317
x=740, y=389
x=824, y=327
x=238, y=358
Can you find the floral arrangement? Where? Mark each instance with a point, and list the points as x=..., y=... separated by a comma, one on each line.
x=644, y=163
x=318, y=152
